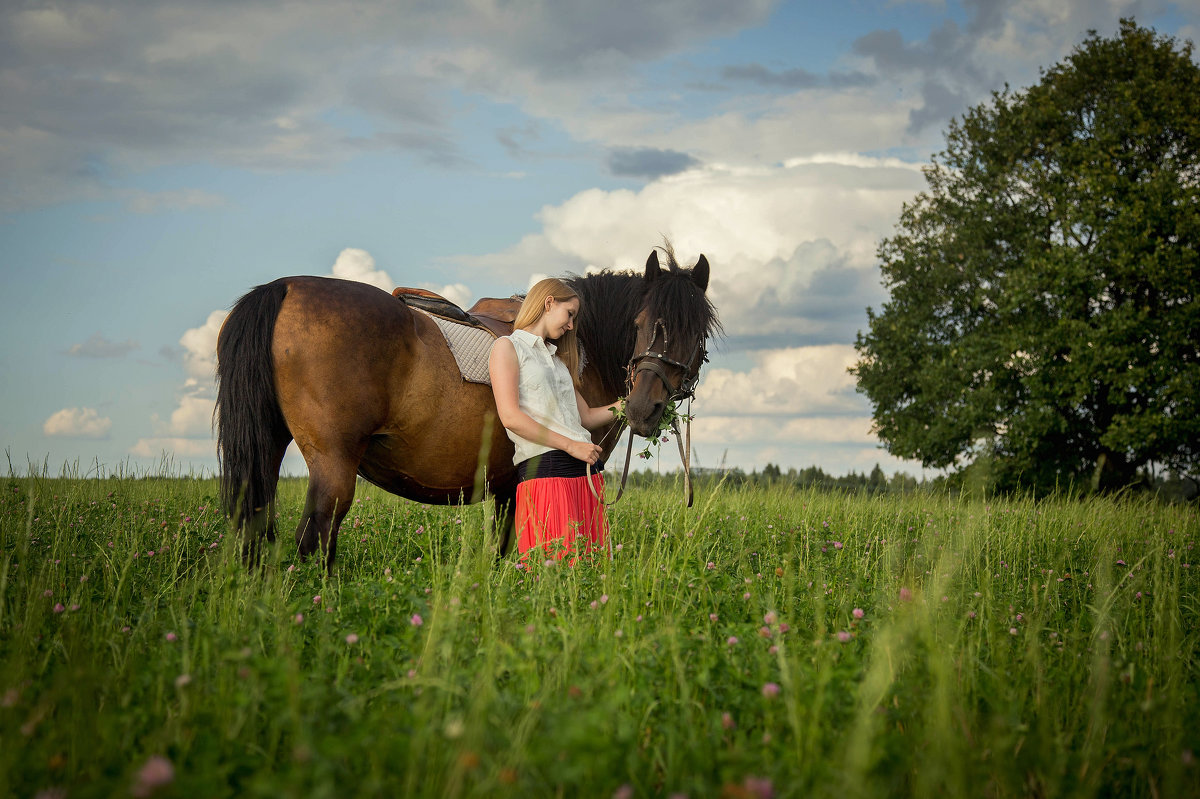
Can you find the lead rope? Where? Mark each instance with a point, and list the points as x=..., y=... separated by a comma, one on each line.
x=624, y=472
x=685, y=451
x=685, y=458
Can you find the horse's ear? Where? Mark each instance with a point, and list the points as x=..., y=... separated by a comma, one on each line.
x=652, y=268
x=700, y=273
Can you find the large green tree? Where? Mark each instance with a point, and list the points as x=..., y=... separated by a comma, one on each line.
x=1043, y=289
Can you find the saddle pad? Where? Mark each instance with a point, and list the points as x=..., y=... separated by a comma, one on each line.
x=470, y=346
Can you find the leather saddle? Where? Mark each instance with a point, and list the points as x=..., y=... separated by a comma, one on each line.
x=493, y=314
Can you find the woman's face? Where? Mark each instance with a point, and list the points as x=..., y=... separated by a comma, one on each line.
x=560, y=316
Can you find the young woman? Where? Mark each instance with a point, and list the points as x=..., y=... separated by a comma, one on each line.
x=535, y=378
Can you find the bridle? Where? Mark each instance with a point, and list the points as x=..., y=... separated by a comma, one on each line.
x=656, y=362
x=653, y=362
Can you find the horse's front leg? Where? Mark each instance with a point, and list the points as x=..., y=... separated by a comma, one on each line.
x=331, y=480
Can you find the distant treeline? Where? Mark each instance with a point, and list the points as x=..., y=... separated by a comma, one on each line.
x=1169, y=487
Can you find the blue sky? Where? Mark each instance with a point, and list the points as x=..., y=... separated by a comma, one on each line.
x=158, y=160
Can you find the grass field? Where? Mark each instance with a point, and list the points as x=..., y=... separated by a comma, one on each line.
x=763, y=643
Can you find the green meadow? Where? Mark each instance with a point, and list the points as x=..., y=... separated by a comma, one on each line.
x=766, y=642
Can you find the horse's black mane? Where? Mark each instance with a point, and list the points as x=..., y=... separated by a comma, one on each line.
x=611, y=300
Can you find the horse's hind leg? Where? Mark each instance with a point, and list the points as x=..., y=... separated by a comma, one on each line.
x=331, y=480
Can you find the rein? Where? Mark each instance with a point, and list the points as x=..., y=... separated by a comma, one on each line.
x=653, y=362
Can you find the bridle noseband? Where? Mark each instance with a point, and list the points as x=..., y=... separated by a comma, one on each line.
x=654, y=362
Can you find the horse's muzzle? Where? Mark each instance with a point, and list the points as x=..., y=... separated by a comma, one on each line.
x=643, y=414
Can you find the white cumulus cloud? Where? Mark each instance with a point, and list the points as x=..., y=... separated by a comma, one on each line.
x=794, y=382
x=355, y=264
x=200, y=347
x=156, y=447
x=77, y=423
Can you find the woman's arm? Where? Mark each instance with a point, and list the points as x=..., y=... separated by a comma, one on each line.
x=594, y=418
x=506, y=377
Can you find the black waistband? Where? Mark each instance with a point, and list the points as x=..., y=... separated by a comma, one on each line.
x=554, y=463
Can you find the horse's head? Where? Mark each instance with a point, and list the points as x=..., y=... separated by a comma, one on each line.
x=673, y=326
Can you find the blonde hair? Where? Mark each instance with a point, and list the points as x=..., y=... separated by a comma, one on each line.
x=534, y=307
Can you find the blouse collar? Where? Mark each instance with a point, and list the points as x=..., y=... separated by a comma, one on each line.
x=533, y=338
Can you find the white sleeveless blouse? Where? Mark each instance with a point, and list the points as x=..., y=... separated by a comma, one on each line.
x=545, y=392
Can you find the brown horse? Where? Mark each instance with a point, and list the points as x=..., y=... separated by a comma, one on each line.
x=367, y=386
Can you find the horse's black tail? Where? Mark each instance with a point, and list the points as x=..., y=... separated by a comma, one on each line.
x=251, y=431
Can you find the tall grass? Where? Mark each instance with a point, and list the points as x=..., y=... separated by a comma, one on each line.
x=766, y=641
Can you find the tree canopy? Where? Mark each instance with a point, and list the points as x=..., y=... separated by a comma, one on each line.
x=1042, y=311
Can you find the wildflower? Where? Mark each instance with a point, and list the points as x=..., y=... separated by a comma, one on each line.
x=182, y=680
x=618, y=633
x=906, y=595
x=75, y=606
x=764, y=631
x=156, y=773
x=844, y=636
x=594, y=604
x=837, y=545
x=291, y=568
x=83, y=579
x=47, y=593
x=1012, y=630
x=727, y=721
x=624, y=792
x=604, y=599
x=58, y=607
x=619, y=547
x=746, y=595
x=352, y=639
x=298, y=618
x=759, y=787
x=416, y=620
x=770, y=690
x=712, y=617
x=172, y=637
x=710, y=565
x=769, y=617
x=970, y=614
x=857, y=613
x=732, y=640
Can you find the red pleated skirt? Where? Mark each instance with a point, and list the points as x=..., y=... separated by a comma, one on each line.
x=558, y=517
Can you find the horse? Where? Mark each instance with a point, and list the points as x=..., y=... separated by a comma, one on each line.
x=367, y=386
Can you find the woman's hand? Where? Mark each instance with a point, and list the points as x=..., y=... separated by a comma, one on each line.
x=584, y=451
